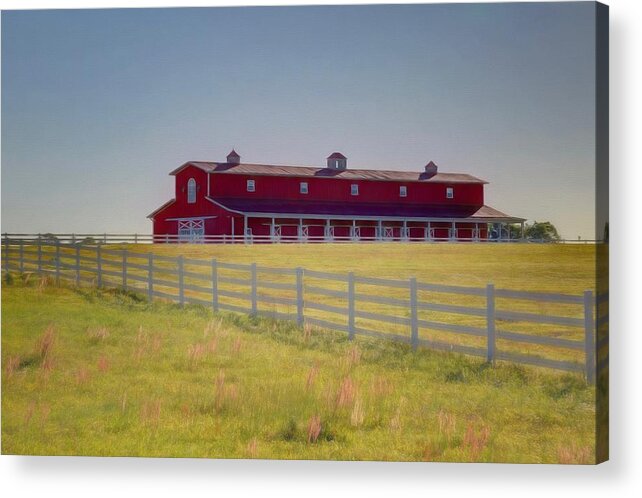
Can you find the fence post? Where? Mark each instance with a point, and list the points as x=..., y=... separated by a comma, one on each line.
x=299, y=297
x=254, y=290
x=99, y=267
x=125, y=269
x=150, y=276
x=414, y=322
x=490, y=323
x=57, y=262
x=351, y=330
x=214, y=285
x=78, y=265
x=39, y=255
x=181, y=282
x=589, y=339
x=6, y=252
x=22, y=256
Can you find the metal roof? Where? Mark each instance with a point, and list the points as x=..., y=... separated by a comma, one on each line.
x=313, y=171
x=168, y=203
x=487, y=212
x=337, y=155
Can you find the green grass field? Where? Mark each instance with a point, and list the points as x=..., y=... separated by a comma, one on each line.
x=537, y=267
x=88, y=372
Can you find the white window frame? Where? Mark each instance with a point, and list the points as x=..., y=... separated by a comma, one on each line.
x=303, y=188
x=450, y=193
x=403, y=191
x=191, y=191
x=250, y=186
x=354, y=189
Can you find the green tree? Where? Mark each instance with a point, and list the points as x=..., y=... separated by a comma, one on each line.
x=515, y=232
x=49, y=238
x=544, y=230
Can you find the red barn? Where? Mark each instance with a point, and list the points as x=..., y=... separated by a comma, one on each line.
x=232, y=200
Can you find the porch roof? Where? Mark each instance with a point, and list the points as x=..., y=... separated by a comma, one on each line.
x=335, y=210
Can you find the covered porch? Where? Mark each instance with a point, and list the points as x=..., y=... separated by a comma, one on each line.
x=309, y=228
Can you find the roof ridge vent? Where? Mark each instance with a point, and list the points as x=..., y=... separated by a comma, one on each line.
x=431, y=169
x=336, y=160
x=233, y=158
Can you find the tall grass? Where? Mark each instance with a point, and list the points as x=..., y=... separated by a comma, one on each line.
x=314, y=428
x=45, y=343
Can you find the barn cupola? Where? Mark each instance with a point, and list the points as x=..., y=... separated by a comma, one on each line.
x=431, y=169
x=336, y=160
x=233, y=157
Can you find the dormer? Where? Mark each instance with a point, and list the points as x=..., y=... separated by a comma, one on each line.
x=233, y=158
x=336, y=160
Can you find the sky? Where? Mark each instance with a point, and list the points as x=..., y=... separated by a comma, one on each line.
x=98, y=106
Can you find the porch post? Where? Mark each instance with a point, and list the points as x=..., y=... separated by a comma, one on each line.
x=379, y=230
x=405, y=230
x=353, y=235
x=428, y=234
x=327, y=229
x=522, y=230
x=476, y=231
x=245, y=229
x=453, y=233
x=508, y=226
x=233, y=230
x=272, y=230
x=300, y=235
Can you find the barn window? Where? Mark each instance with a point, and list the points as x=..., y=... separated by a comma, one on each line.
x=250, y=186
x=354, y=189
x=449, y=193
x=191, y=191
x=403, y=191
x=303, y=187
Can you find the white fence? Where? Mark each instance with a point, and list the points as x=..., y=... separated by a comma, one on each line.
x=136, y=238
x=547, y=330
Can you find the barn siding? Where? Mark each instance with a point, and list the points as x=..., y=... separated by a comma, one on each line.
x=338, y=190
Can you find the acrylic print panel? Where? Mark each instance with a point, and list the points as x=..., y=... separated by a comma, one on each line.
x=384, y=235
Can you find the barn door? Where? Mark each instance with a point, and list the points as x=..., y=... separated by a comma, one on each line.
x=191, y=231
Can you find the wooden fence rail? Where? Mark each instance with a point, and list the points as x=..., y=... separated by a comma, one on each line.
x=466, y=320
